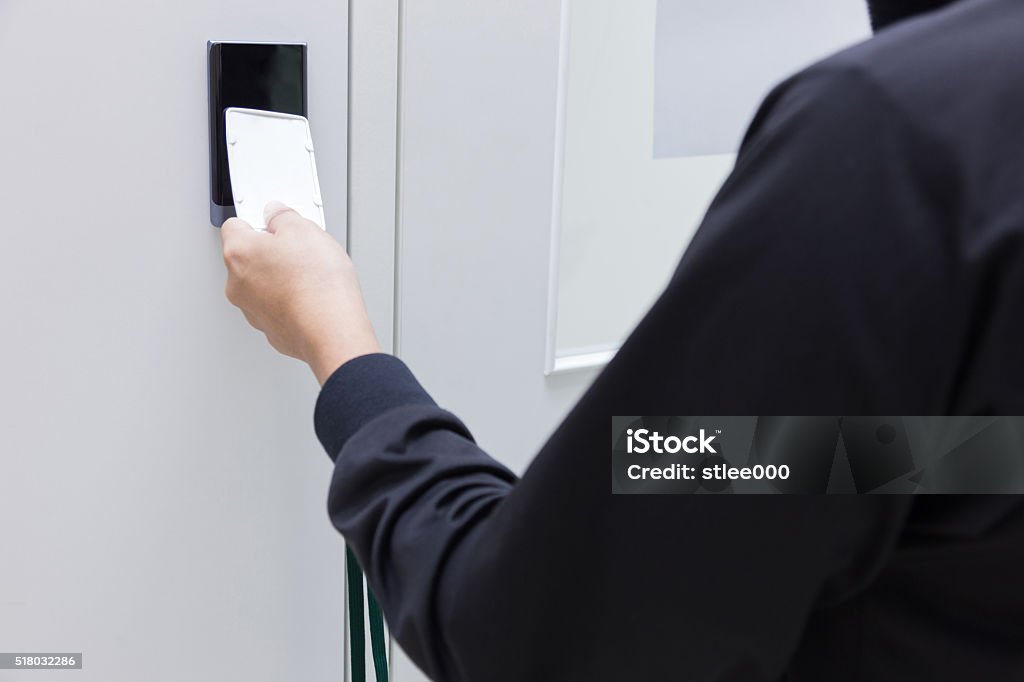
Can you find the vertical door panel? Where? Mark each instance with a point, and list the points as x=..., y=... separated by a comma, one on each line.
x=478, y=116
x=161, y=490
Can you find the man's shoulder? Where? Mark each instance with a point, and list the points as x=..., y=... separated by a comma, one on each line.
x=949, y=70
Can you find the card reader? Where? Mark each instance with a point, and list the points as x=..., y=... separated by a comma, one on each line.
x=264, y=76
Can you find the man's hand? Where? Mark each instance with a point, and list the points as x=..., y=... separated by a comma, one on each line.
x=296, y=284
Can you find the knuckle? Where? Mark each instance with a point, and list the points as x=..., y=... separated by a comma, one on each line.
x=232, y=254
x=254, y=321
x=234, y=291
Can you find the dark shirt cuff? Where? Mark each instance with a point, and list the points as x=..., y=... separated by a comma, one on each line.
x=360, y=390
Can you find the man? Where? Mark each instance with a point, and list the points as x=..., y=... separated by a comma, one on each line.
x=866, y=256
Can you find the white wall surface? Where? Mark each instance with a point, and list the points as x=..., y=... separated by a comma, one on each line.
x=373, y=155
x=626, y=216
x=162, y=497
x=717, y=59
x=658, y=94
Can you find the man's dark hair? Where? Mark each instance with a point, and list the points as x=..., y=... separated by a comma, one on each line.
x=886, y=12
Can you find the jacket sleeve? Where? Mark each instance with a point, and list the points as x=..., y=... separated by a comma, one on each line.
x=796, y=297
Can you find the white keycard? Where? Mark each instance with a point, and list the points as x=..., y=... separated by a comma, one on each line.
x=270, y=158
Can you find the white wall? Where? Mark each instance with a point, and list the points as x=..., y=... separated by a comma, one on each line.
x=717, y=59
x=658, y=94
x=626, y=217
x=161, y=492
x=373, y=155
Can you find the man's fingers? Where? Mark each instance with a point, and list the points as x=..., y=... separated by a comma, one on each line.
x=235, y=235
x=235, y=227
x=277, y=216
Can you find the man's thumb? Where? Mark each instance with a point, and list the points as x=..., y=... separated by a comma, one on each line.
x=277, y=215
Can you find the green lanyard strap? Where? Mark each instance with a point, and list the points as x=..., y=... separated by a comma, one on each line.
x=357, y=629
